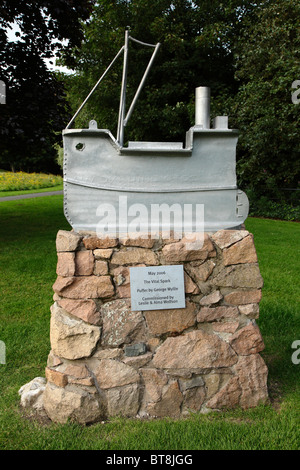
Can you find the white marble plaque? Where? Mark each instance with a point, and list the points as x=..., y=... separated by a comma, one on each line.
x=157, y=287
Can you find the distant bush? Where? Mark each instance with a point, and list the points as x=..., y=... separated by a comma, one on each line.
x=59, y=155
x=263, y=206
x=21, y=181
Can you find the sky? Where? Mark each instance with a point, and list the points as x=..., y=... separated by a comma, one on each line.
x=11, y=34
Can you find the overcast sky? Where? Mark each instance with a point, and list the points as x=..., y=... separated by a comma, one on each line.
x=11, y=34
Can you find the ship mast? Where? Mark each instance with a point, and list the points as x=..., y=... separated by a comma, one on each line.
x=123, y=118
x=120, y=132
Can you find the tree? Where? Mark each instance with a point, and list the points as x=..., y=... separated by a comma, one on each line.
x=36, y=109
x=267, y=60
x=196, y=50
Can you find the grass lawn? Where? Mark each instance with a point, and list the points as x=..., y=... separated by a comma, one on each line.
x=59, y=187
x=28, y=263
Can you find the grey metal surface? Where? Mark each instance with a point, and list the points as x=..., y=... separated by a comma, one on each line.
x=155, y=145
x=221, y=210
x=208, y=163
x=202, y=107
x=201, y=173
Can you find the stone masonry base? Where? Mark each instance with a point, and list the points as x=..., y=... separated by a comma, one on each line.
x=108, y=360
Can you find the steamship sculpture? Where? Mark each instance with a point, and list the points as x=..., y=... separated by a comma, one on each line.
x=99, y=169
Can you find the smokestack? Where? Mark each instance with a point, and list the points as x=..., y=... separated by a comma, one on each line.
x=202, y=111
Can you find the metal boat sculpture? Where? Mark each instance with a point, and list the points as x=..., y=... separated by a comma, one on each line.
x=99, y=170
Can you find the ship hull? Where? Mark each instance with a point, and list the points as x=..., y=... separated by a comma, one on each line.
x=115, y=213
x=112, y=189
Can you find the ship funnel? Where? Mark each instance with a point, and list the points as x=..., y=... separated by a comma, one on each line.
x=202, y=105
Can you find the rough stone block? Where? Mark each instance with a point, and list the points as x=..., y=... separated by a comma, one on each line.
x=189, y=286
x=86, y=310
x=112, y=373
x=67, y=241
x=101, y=268
x=207, y=314
x=154, y=381
x=171, y=321
x=243, y=297
x=65, y=264
x=120, y=324
x=143, y=240
x=84, y=263
x=187, y=250
x=123, y=401
x=84, y=287
x=194, y=350
x=77, y=371
x=135, y=256
x=241, y=275
x=253, y=374
x=196, y=381
x=247, y=340
x=212, y=298
x=110, y=353
x=93, y=242
x=170, y=403
x=228, y=396
x=200, y=272
x=225, y=327
x=250, y=310
x=122, y=280
x=241, y=252
x=138, y=361
x=71, y=338
x=135, y=349
x=57, y=378
x=193, y=399
x=75, y=404
x=226, y=238
x=32, y=394
x=103, y=253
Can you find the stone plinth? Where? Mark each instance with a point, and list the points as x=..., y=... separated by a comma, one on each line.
x=108, y=360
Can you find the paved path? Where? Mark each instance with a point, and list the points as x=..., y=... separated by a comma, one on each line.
x=28, y=196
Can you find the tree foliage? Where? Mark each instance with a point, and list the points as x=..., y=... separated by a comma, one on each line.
x=196, y=50
x=36, y=108
x=267, y=59
x=246, y=52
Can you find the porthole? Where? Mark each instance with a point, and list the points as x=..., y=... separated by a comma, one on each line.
x=80, y=146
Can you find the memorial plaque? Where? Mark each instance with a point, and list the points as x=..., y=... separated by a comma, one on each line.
x=157, y=287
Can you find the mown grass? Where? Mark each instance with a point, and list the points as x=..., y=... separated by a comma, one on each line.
x=28, y=263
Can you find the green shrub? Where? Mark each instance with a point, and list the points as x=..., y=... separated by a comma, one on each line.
x=265, y=207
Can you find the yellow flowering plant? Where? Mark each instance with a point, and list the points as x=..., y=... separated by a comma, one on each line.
x=21, y=181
